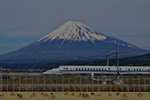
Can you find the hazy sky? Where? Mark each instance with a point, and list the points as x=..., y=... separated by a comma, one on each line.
x=25, y=21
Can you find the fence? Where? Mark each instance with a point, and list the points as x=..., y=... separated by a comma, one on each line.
x=82, y=83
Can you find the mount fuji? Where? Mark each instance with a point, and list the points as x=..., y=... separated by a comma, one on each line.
x=73, y=41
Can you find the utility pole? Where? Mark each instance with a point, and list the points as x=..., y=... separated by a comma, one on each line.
x=1, y=82
x=117, y=58
x=107, y=57
x=117, y=48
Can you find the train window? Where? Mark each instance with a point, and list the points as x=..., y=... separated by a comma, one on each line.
x=93, y=68
x=105, y=69
x=76, y=68
x=99, y=69
x=102, y=69
x=134, y=69
x=148, y=70
x=66, y=68
x=128, y=69
x=108, y=68
x=137, y=69
x=120, y=68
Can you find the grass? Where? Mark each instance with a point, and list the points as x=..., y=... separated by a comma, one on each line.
x=76, y=95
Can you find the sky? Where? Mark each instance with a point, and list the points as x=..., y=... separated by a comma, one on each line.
x=25, y=21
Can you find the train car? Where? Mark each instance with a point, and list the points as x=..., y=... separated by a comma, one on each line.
x=98, y=70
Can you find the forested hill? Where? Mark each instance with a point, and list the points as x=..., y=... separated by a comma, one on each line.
x=143, y=60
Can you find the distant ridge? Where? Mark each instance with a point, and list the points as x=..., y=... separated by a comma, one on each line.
x=73, y=41
x=143, y=60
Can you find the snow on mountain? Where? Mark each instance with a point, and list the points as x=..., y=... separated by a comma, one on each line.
x=73, y=31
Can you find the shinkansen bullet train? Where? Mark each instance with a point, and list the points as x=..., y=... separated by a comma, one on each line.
x=98, y=70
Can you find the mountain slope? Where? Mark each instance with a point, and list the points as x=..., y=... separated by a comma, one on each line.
x=73, y=41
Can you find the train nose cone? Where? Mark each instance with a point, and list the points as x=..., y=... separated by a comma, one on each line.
x=45, y=73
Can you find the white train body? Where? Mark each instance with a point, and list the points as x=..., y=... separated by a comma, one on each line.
x=98, y=70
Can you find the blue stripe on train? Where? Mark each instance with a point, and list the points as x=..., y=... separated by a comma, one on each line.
x=99, y=71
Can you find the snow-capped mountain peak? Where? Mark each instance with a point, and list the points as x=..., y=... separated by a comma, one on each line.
x=73, y=31
x=71, y=42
